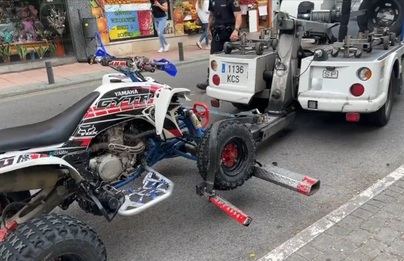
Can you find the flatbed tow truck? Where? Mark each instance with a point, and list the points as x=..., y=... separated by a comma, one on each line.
x=358, y=77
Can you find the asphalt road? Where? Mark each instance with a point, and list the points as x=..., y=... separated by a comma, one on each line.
x=347, y=158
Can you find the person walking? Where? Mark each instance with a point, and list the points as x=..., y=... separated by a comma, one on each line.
x=159, y=11
x=202, y=8
x=224, y=26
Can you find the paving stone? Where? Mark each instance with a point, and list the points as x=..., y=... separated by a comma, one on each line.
x=351, y=222
x=344, y=245
x=372, y=225
x=370, y=208
x=393, y=208
x=358, y=256
x=397, y=247
x=296, y=257
x=387, y=235
x=324, y=242
x=329, y=256
x=392, y=193
x=385, y=257
x=398, y=225
x=373, y=248
x=397, y=189
x=359, y=237
x=339, y=230
x=384, y=198
x=361, y=213
x=376, y=203
x=309, y=252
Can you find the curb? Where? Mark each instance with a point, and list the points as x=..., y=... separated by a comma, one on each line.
x=88, y=78
x=307, y=235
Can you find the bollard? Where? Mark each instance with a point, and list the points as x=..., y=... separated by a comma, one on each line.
x=49, y=71
x=181, y=51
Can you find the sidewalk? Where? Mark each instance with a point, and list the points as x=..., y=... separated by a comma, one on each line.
x=12, y=84
x=375, y=231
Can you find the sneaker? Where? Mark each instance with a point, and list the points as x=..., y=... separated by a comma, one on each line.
x=199, y=45
x=207, y=47
x=166, y=48
x=161, y=50
x=202, y=86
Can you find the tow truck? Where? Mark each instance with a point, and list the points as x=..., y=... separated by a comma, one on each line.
x=299, y=62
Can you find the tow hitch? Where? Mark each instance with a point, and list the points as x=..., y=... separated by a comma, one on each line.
x=261, y=131
x=302, y=184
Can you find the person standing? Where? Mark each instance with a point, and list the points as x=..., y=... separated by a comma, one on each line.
x=159, y=11
x=202, y=8
x=224, y=26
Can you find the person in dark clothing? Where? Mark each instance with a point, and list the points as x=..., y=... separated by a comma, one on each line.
x=224, y=26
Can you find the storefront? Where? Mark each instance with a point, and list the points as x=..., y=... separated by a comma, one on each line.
x=119, y=20
x=33, y=30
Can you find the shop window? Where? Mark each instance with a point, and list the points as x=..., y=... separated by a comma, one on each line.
x=33, y=29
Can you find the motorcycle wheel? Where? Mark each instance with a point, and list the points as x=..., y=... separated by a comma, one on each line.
x=53, y=237
x=236, y=151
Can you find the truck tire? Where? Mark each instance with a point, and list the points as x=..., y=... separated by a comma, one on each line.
x=376, y=10
x=53, y=237
x=236, y=149
x=381, y=117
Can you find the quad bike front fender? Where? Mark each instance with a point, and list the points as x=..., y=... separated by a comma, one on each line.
x=163, y=100
x=20, y=172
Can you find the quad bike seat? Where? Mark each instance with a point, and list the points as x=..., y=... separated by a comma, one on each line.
x=50, y=132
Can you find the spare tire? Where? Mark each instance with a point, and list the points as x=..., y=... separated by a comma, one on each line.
x=236, y=151
x=388, y=13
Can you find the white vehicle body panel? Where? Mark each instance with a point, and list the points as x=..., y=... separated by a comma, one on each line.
x=239, y=92
x=334, y=94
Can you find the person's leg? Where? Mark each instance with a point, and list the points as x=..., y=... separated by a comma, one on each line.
x=215, y=47
x=162, y=26
x=157, y=25
x=205, y=33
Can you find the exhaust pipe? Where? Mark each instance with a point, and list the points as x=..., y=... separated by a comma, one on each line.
x=288, y=179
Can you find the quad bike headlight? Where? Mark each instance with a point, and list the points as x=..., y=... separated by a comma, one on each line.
x=364, y=73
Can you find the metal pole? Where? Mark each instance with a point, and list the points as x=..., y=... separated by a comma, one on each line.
x=49, y=71
x=181, y=51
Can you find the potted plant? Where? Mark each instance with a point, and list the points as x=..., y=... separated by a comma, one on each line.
x=5, y=52
x=22, y=51
x=57, y=21
x=41, y=51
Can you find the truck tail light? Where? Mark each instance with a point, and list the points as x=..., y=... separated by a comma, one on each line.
x=216, y=80
x=364, y=73
x=357, y=89
x=213, y=65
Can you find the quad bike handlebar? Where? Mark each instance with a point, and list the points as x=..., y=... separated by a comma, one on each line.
x=139, y=63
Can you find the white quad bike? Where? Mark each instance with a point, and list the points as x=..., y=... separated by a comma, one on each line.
x=99, y=153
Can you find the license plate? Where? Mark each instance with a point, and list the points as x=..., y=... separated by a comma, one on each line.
x=235, y=73
x=327, y=74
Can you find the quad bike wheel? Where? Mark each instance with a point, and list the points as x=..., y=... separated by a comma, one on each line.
x=53, y=237
x=236, y=152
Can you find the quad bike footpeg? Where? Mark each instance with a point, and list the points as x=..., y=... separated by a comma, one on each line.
x=228, y=208
x=153, y=189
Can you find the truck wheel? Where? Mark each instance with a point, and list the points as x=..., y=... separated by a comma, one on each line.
x=236, y=149
x=381, y=117
x=388, y=13
x=53, y=237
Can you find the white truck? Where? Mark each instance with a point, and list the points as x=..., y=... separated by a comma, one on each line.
x=358, y=76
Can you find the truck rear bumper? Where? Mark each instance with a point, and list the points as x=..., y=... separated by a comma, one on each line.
x=341, y=104
x=229, y=95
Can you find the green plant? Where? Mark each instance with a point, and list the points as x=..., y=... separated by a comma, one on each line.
x=41, y=51
x=52, y=49
x=22, y=52
x=5, y=52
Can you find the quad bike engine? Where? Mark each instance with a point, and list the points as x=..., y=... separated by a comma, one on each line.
x=119, y=153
